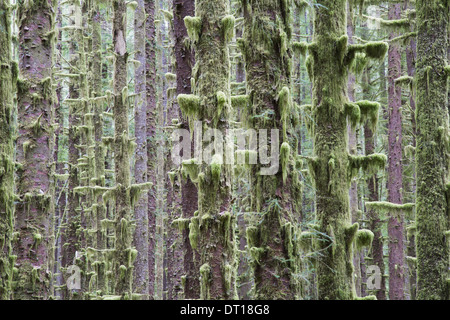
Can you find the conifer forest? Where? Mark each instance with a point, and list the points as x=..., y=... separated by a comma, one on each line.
x=224, y=150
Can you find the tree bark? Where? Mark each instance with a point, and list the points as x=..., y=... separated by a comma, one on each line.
x=432, y=134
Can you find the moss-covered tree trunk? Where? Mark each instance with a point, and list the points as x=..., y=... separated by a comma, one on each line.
x=141, y=270
x=184, y=56
x=375, y=223
x=330, y=147
x=150, y=52
x=212, y=228
x=395, y=166
x=124, y=253
x=8, y=78
x=432, y=147
x=271, y=237
x=72, y=234
x=332, y=167
x=98, y=106
x=34, y=212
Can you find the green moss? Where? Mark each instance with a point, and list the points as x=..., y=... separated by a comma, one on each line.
x=376, y=50
x=300, y=48
x=364, y=239
x=228, y=23
x=216, y=168
x=170, y=77
x=190, y=169
x=190, y=107
x=239, y=102
x=193, y=26
x=369, y=164
x=353, y=113
x=285, y=153
x=369, y=113
x=194, y=230
x=391, y=208
x=205, y=272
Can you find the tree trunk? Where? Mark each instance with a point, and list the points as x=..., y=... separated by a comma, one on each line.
x=270, y=238
x=8, y=78
x=141, y=236
x=123, y=250
x=184, y=62
x=394, y=173
x=331, y=165
x=150, y=52
x=432, y=134
x=34, y=212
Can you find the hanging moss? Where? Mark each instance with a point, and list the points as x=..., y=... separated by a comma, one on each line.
x=239, y=102
x=205, y=271
x=405, y=81
x=364, y=239
x=369, y=164
x=216, y=168
x=353, y=113
x=193, y=26
x=300, y=48
x=194, y=230
x=170, y=77
x=189, y=105
x=190, y=169
x=391, y=208
x=285, y=153
x=228, y=23
x=369, y=113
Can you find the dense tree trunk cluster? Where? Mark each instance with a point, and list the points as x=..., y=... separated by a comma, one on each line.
x=224, y=149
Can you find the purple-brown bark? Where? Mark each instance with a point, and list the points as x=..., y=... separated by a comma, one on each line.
x=394, y=173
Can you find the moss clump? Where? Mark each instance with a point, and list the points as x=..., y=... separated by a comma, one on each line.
x=373, y=50
x=190, y=106
x=193, y=26
x=205, y=272
x=376, y=50
x=369, y=164
x=369, y=111
x=364, y=239
x=190, y=169
x=170, y=77
x=194, y=230
x=285, y=153
x=405, y=81
x=239, y=102
x=300, y=48
x=384, y=207
x=353, y=113
x=216, y=168
x=228, y=23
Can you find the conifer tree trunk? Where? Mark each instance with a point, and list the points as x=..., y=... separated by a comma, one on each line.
x=329, y=58
x=375, y=223
x=150, y=52
x=212, y=229
x=432, y=147
x=141, y=266
x=267, y=54
x=394, y=173
x=329, y=84
x=34, y=151
x=125, y=254
x=8, y=78
x=100, y=207
x=72, y=237
x=185, y=61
